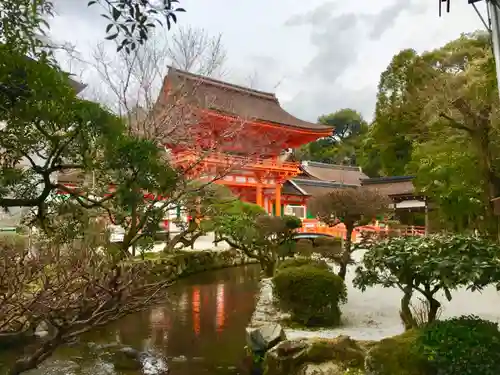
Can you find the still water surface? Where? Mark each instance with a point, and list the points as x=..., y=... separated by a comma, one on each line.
x=201, y=330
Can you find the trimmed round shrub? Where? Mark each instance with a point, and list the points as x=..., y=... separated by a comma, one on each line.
x=311, y=295
x=466, y=345
x=300, y=262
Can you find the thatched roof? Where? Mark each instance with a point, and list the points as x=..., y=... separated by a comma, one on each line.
x=239, y=101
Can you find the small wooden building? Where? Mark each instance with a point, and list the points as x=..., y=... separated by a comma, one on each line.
x=316, y=179
x=402, y=192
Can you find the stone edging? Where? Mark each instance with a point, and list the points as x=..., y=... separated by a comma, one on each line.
x=265, y=310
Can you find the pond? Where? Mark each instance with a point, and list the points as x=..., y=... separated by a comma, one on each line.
x=200, y=330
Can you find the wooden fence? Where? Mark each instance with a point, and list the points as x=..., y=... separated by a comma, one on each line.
x=314, y=226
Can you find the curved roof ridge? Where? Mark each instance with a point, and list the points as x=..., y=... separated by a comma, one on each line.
x=387, y=179
x=310, y=163
x=223, y=84
x=239, y=100
x=306, y=181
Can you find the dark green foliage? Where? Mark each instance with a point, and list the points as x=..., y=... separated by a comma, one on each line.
x=428, y=265
x=300, y=262
x=132, y=21
x=24, y=23
x=310, y=294
x=466, y=345
x=291, y=222
x=44, y=117
x=397, y=355
x=341, y=146
x=248, y=228
x=327, y=247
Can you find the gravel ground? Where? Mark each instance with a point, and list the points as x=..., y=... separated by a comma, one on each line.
x=374, y=314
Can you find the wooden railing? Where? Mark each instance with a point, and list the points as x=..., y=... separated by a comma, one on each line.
x=314, y=226
x=192, y=157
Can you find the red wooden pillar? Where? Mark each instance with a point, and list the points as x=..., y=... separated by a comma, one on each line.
x=277, y=199
x=259, y=196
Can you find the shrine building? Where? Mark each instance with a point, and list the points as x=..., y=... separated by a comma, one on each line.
x=253, y=137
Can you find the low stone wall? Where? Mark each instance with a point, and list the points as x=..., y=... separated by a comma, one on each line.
x=184, y=263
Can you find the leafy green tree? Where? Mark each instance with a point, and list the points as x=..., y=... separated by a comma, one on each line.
x=340, y=148
x=396, y=114
x=350, y=206
x=24, y=23
x=45, y=136
x=47, y=129
x=448, y=174
x=123, y=179
x=428, y=265
x=463, y=73
x=449, y=93
x=368, y=155
x=248, y=228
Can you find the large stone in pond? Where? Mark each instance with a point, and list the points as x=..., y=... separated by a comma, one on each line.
x=260, y=339
x=325, y=368
x=315, y=357
x=286, y=358
x=127, y=359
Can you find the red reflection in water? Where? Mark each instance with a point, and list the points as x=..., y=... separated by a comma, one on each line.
x=220, y=313
x=195, y=306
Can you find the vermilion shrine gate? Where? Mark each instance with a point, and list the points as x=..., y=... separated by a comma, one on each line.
x=241, y=138
x=247, y=134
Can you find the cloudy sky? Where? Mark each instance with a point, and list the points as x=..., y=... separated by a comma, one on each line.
x=318, y=56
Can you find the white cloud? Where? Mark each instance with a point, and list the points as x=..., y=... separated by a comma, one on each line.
x=318, y=57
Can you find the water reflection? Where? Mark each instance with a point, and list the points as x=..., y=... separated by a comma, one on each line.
x=199, y=331
x=219, y=315
x=195, y=308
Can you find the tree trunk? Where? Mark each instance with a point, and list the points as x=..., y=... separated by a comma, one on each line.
x=268, y=266
x=346, y=254
x=434, y=306
x=31, y=362
x=405, y=313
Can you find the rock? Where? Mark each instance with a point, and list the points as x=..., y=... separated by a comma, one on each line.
x=180, y=358
x=315, y=357
x=326, y=368
x=286, y=358
x=262, y=338
x=152, y=365
x=130, y=352
x=343, y=349
x=127, y=359
x=42, y=330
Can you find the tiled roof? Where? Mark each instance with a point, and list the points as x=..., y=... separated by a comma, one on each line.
x=397, y=185
x=311, y=187
x=342, y=174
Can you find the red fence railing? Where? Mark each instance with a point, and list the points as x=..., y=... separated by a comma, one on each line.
x=314, y=226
